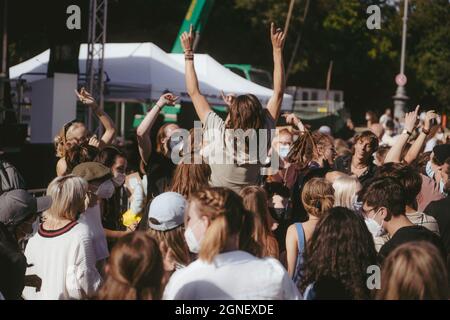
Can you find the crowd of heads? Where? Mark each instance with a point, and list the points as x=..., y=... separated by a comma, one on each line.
x=341, y=205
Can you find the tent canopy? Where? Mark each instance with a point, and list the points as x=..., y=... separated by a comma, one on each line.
x=142, y=72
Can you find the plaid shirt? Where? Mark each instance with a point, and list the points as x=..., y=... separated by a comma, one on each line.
x=417, y=218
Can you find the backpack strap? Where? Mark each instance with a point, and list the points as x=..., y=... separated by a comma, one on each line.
x=301, y=238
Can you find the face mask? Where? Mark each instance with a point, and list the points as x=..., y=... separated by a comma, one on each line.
x=106, y=190
x=356, y=205
x=191, y=240
x=284, y=150
x=429, y=170
x=440, y=136
x=119, y=179
x=375, y=229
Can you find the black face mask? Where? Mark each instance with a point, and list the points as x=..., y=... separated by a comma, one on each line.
x=280, y=214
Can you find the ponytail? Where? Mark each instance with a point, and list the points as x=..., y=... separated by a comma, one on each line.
x=215, y=239
x=246, y=240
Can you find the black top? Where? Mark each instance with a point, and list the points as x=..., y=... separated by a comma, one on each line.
x=13, y=265
x=312, y=171
x=160, y=171
x=440, y=210
x=344, y=164
x=409, y=234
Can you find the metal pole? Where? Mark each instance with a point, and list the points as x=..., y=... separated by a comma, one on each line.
x=405, y=19
x=400, y=97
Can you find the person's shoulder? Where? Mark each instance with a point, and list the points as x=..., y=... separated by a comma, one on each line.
x=274, y=266
x=212, y=120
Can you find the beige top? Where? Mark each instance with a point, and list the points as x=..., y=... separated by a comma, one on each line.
x=231, y=169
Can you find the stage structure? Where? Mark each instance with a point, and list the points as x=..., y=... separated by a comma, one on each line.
x=98, y=12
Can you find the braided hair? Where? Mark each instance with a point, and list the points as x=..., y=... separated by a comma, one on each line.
x=228, y=217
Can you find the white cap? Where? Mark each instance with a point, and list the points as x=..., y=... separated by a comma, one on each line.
x=325, y=129
x=166, y=211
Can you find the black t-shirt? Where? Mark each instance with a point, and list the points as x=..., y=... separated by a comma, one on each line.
x=440, y=210
x=409, y=234
x=160, y=171
x=343, y=164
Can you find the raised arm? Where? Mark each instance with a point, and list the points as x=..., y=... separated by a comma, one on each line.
x=201, y=105
x=394, y=154
x=143, y=130
x=110, y=130
x=274, y=105
x=417, y=146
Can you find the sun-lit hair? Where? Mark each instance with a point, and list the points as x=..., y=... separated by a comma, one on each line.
x=68, y=194
x=135, y=269
x=65, y=138
x=228, y=217
x=161, y=136
x=306, y=148
x=345, y=190
x=190, y=178
x=414, y=271
x=174, y=240
x=246, y=112
x=255, y=200
x=317, y=196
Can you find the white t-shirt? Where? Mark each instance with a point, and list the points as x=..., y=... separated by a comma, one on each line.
x=64, y=259
x=93, y=220
x=226, y=171
x=234, y=275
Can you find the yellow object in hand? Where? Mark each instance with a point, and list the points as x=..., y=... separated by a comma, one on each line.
x=129, y=218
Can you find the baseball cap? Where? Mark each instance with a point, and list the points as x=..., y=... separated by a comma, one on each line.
x=91, y=171
x=166, y=211
x=17, y=205
x=442, y=152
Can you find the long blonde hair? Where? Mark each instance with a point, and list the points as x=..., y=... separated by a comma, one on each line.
x=228, y=217
x=317, y=196
x=414, y=270
x=255, y=200
x=345, y=189
x=64, y=139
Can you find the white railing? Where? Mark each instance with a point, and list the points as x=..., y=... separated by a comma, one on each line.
x=314, y=109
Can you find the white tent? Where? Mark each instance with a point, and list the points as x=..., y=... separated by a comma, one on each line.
x=142, y=71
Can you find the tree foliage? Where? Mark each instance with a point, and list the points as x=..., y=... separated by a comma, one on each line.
x=365, y=61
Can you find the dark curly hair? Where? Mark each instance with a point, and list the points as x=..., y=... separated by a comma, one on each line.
x=341, y=248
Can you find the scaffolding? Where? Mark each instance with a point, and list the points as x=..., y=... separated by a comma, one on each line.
x=95, y=53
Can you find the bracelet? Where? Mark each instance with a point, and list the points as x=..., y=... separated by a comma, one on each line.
x=189, y=57
x=426, y=131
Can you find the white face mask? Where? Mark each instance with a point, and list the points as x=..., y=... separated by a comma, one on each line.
x=106, y=190
x=440, y=136
x=375, y=229
x=191, y=240
x=119, y=179
x=284, y=150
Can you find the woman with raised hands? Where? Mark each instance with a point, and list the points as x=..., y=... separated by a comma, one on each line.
x=245, y=112
x=75, y=132
x=158, y=165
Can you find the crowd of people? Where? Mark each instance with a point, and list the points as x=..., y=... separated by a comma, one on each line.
x=338, y=207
